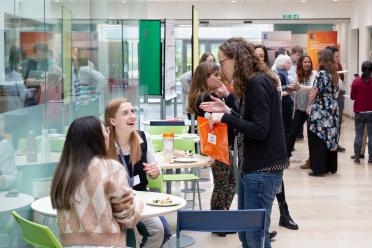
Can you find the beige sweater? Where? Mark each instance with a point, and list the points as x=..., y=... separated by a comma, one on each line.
x=103, y=209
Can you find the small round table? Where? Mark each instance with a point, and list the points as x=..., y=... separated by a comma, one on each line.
x=13, y=203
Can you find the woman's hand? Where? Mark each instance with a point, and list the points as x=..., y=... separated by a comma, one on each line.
x=151, y=169
x=215, y=106
x=215, y=118
x=308, y=109
x=222, y=91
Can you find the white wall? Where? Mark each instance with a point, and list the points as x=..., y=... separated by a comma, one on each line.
x=256, y=10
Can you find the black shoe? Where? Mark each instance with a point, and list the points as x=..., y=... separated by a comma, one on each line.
x=230, y=233
x=357, y=161
x=340, y=149
x=285, y=219
x=360, y=156
x=272, y=235
x=220, y=234
x=313, y=174
x=370, y=161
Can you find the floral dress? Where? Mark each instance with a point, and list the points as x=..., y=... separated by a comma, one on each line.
x=323, y=119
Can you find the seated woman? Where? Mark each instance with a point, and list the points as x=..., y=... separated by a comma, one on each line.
x=90, y=191
x=134, y=150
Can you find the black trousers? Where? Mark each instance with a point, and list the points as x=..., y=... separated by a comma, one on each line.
x=287, y=112
x=322, y=160
x=298, y=121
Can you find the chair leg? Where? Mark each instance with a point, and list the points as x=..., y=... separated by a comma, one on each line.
x=197, y=185
x=193, y=195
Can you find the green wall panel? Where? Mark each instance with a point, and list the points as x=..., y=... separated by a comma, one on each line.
x=303, y=28
x=150, y=57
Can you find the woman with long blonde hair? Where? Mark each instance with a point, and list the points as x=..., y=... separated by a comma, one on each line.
x=133, y=149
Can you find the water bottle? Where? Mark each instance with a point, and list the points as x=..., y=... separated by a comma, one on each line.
x=45, y=152
x=168, y=146
x=31, y=152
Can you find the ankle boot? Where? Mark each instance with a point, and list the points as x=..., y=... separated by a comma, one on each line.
x=285, y=219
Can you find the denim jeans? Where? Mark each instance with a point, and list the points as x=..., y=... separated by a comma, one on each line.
x=362, y=120
x=258, y=190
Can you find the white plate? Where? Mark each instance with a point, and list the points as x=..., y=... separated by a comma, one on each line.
x=173, y=203
x=185, y=160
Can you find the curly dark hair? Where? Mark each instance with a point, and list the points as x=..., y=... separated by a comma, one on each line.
x=246, y=65
x=301, y=73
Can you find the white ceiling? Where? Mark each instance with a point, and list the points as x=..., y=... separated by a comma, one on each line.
x=245, y=1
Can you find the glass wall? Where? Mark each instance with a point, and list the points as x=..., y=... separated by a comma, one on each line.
x=58, y=61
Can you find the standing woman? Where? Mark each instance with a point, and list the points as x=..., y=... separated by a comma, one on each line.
x=323, y=123
x=361, y=92
x=285, y=219
x=133, y=149
x=305, y=76
x=205, y=84
x=261, y=146
x=90, y=191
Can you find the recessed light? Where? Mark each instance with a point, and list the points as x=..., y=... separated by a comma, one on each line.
x=234, y=1
x=123, y=1
x=303, y=1
x=335, y=0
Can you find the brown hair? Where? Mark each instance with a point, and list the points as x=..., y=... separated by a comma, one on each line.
x=84, y=141
x=327, y=62
x=301, y=73
x=135, y=148
x=199, y=85
x=297, y=49
x=204, y=57
x=247, y=63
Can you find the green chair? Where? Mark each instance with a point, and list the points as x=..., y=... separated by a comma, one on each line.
x=185, y=145
x=153, y=130
x=35, y=234
x=158, y=145
x=155, y=184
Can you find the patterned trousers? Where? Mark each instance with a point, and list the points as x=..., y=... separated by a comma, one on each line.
x=224, y=186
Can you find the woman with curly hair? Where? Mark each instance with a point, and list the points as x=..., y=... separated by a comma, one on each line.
x=257, y=121
x=323, y=123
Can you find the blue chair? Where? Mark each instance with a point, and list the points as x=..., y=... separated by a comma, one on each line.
x=222, y=221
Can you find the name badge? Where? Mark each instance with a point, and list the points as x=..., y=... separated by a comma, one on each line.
x=136, y=180
x=212, y=138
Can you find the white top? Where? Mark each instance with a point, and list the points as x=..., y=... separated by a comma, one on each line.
x=14, y=203
x=44, y=206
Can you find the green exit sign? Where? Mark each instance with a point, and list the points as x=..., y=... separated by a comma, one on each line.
x=291, y=16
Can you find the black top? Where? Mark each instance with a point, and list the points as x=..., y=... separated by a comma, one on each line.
x=137, y=169
x=261, y=125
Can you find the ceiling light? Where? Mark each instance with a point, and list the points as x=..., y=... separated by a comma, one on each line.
x=335, y=0
x=123, y=1
x=234, y=1
x=303, y=1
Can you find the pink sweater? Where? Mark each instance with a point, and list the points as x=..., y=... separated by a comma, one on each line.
x=104, y=207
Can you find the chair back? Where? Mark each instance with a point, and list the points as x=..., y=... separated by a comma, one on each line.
x=222, y=221
x=36, y=234
x=153, y=130
x=184, y=145
x=156, y=183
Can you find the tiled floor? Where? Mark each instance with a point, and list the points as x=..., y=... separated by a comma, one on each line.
x=331, y=211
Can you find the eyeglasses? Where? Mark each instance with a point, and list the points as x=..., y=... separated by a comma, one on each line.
x=221, y=61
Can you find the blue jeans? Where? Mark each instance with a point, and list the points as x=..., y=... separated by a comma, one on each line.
x=258, y=190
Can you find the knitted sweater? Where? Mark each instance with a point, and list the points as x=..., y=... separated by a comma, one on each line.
x=104, y=207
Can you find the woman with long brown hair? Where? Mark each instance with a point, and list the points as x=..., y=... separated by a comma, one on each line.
x=323, y=123
x=206, y=83
x=133, y=149
x=257, y=121
x=90, y=191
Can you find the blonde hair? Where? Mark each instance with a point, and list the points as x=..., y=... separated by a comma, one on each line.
x=135, y=147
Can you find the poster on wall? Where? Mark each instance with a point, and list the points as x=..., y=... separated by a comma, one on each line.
x=170, y=60
x=195, y=38
x=277, y=39
x=319, y=40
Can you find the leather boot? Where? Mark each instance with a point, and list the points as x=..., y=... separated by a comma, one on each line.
x=285, y=219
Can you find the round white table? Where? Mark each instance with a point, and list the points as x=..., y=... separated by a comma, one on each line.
x=200, y=162
x=43, y=205
x=13, y=203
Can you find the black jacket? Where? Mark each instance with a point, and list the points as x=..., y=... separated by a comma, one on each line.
x=261, y=124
